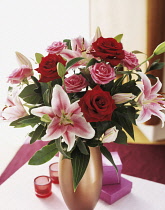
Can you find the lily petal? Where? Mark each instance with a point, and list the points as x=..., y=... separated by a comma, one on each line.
x=79, y=44
x=149, y=110
x=69, y=139
x=144, y=115
x=75, y=108
x=13, y=113
x=40, y=111
x=54, y=130
x=60, y=100
x=81, y=127
x=69, y=54
x=156, y=87
x=146, y=83
x=156, y=112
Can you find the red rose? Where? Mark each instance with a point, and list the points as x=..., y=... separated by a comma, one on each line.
x=109, y=50
x=48, y=67
x=97, y=105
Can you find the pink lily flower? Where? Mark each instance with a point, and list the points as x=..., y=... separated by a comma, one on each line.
x=14, y=108
x=66, y=119
x=150, y=101
x=80, y=48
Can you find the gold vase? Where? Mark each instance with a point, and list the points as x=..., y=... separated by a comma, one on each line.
x=88, y=190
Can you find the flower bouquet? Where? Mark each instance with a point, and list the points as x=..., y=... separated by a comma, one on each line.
x=82, y=95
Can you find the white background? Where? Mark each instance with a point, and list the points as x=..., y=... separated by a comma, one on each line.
x=29, y=26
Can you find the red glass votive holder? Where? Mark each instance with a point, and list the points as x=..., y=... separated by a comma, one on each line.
x=53, y=171
x=43, y=186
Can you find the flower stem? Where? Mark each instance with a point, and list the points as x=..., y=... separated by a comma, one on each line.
x=143, y=62
x=50, y=91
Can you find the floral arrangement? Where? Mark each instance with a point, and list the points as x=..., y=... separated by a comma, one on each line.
x=82, y=95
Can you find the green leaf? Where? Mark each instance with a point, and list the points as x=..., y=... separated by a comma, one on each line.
x=91, y=62
x=61, y=69
x=129, y=87
x=56, y=81
x=44, y=87
x=82, y=147
x=79, y=165
x=151, y=76
x=137, y=52
x=124, y=72
x=46, y=97
x=44, y=155
x=101, y=127
x=45, y=118
x=108, y=155
x=131, y=112
x=38, y=57
x=35, y=80
x=124, y=122
x=30, y=95
x=93, y=143
x=121, y=138
x=118, y=37
x=26, y=121
x=31, y=134
x=117, y=83
x=73, y=61
x=51, y=142
x=37, y=133
x=68, y=43
x=62, y=149
x=108, y=86
x=159, y=49
x=155, y=66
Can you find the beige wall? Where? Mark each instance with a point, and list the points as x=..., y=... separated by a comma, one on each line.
x=126, y=17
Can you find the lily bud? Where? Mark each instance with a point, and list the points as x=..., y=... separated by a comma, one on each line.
x=121, y=98
x=97, y=34
x=159, y=49
x=110, y=135
x=22, y=60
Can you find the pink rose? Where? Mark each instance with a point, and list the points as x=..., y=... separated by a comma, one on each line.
x=20, y=74
x=75, y=83
x=102, y=73
x=130, y=61
x=56, y=47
